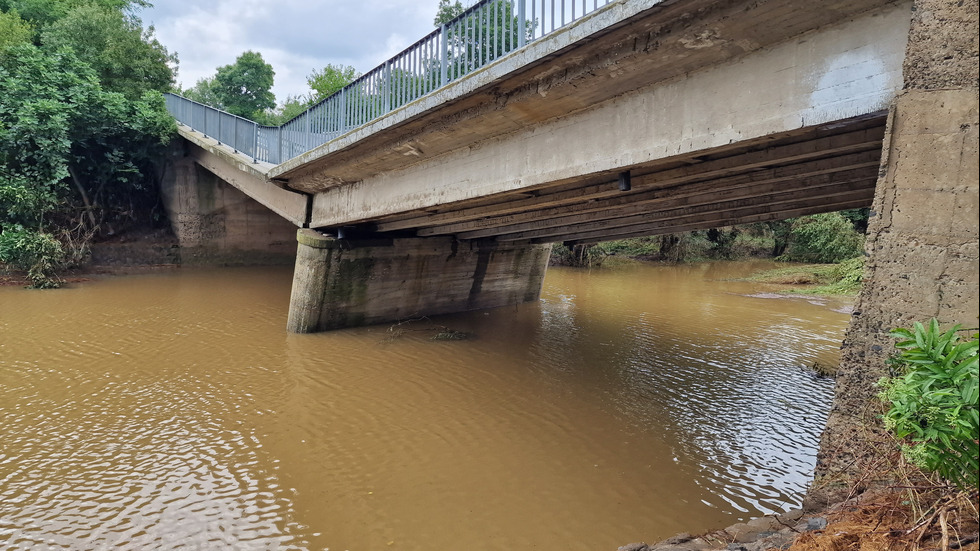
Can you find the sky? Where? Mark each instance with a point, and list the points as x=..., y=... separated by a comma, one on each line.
x=294, y=36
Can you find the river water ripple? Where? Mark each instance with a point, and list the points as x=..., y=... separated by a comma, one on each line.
x=172, y=411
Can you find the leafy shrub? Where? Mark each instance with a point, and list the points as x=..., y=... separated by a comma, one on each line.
x=825, y=238
x=933, y=401
x=38, y=254
x=846, y=277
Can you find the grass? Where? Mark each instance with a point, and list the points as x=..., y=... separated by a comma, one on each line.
x=817, y=279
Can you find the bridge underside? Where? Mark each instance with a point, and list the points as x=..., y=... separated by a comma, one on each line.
x=820, y=169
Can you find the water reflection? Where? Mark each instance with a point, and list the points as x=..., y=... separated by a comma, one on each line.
x=172, y=410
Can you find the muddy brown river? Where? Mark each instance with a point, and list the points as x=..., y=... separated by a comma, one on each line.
x=172, y=411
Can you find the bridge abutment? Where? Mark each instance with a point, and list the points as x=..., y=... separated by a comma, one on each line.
x=216, y=223
x=341, y=283
x=922, y=241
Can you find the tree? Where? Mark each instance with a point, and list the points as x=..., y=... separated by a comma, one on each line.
x=244, y=87
x=41, y=13
x=483, y=35
x=448, y=11
x=72, y=155
x=825, y=238
x=329, y=80
x=14, y=30
x=204, y=91
x=290, y=108
x=126, y=58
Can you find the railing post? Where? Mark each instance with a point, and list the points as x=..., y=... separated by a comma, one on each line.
x=342, y=123
x=521, y=23
x=255, y=142
x=386, y=99
x=234, y=143
x=279, y=149
x=444, y=57
x=306, y=131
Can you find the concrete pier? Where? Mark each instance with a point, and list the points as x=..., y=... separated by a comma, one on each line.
x=344, y=283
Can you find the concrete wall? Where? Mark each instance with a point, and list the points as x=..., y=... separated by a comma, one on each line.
x=923, y=238
x=215, y=223
x=341, y=283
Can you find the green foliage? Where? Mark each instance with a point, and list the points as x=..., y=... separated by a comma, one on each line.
x=24, y=201
x=826, y=238
x=126, y=58
x=858, y=218
x=204, y=91
x=846, y=277
x=933, y=401
x=244, y=87
x=37, y=253
x=448, y=11
x=482, y=36
x=579, y=256
x=289, y=109
x=56, y=122
x=72, y=155
x=14, y=30
x=40, y=96
x=329, y=80
x=41, y=13
x=632, y=247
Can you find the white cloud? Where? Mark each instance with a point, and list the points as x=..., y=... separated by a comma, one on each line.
x=294, y=36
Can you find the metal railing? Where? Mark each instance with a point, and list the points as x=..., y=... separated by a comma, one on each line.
x=481, y=34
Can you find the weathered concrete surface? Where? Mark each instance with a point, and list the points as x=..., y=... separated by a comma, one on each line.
x=341, y=283
x=844, y=70
x=923, y=240
x=251, y=178
x=215, y=223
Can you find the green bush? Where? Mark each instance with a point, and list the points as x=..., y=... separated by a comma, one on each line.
x=933, y=401
x=825, y=238
x=39, y=254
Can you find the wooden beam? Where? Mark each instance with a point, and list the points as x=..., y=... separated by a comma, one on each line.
x=796, y=198
x=855, y=142
x=867, y=159
x=596, y=212
x=851, y=200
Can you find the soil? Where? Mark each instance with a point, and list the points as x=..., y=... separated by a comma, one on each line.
x=135, y=251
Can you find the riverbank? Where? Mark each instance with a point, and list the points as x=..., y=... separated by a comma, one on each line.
x=888, y=518
x=885, y=519
x=130, y=253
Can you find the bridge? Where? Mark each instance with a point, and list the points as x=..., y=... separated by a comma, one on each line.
x=438, y=181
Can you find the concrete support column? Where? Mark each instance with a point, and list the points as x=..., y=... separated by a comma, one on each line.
x=341, y=283
x=923, y=237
